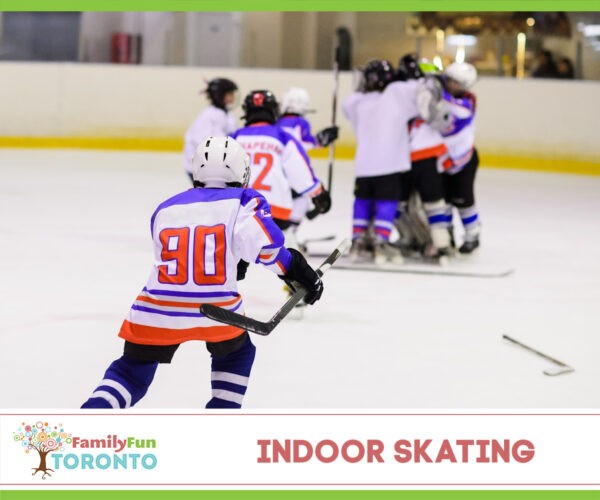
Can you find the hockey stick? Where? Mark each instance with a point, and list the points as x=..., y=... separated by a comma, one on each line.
x=265, y=328
x=564, y=368
x=336, y=78
x=317, y=240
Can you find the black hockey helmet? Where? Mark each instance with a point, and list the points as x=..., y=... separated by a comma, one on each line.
x=216, y=90
x=260, y=105
x=377, y=74
x=408, y=68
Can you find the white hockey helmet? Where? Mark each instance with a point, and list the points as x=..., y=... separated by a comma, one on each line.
x=463, y=73
x=220, y=162
x=295, y=100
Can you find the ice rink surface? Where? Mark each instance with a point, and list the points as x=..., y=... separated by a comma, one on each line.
x=76, y=250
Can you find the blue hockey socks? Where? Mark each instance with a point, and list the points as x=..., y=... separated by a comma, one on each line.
x=125, y=383
x=362, y=213
x=230, y=374
x=385, y=213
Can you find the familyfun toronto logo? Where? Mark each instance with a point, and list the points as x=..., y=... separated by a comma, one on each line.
x=85, y=453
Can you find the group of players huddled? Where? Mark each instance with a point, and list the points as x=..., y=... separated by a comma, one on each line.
x=414, y=128
x=254, y=185
x=415, y=134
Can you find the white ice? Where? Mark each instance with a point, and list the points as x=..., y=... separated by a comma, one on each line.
x=75, y=251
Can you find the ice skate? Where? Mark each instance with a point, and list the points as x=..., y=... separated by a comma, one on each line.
x=385, y=253
x=469, y=246
x=360, y=250
x=436, y=255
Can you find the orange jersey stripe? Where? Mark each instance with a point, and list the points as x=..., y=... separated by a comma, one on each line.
x=171, y=303
x=154, y=335
x=283, y=270
x=432, y=152
x=281, y=213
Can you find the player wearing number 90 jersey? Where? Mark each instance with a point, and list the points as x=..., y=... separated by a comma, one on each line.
x=199, y=237
x=278, y=162
x=204, y=239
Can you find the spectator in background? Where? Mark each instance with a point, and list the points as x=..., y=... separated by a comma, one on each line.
x=545, y=66
x=564, y=69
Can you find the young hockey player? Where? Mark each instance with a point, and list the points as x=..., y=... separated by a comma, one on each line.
x=278, y=161
x=427, y=154
x=459, y=136
x=294, y=106
x=215, y=120
x=200, y=236
x=379, y=113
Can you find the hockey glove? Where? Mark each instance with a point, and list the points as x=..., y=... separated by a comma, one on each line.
x=242, y=267
x=301, y=273
x=326, y=136
x=322, y=202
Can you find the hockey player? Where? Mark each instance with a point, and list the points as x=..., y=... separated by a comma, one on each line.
x=199, y=238
x=294, y=106
x=278, y=161
x=427, y=155
x=379, y=113
x=215, y=120
x=459, y=136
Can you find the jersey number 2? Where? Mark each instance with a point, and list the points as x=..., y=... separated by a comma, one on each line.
x=208, y=255
x=264, y=160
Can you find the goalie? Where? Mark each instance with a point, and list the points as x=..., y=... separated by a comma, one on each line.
x=428, y=154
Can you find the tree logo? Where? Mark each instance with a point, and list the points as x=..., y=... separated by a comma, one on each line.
x=44, y=439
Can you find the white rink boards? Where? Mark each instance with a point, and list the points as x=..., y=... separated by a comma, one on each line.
x=76, y=249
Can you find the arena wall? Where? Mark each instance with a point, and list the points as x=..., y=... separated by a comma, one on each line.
x=532, y=124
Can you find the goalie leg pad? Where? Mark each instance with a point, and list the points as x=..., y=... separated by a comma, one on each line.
x=232, y=362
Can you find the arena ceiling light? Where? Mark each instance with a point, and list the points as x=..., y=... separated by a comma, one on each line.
x=461, y=40
x=590, y=30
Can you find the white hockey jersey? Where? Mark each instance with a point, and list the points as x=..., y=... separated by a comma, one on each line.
x=459, y=136
x=379, y=120
x=199, y=237
x=278, y=163
x=426, y=142
x=212, y=121
x=299, y=127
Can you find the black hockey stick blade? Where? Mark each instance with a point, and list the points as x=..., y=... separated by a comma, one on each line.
x=266, y=327
x=562, y=369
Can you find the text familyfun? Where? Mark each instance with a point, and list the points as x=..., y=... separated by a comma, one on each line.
x=114, y=442
x=104, y=461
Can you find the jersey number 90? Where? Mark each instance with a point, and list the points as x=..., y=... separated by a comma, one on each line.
x=207, y=258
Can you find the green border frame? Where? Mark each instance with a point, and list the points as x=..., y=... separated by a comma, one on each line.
x=301, y=494
x=300, y=5
x=289, y=6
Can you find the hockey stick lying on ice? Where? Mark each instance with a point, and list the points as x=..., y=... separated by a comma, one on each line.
x=265, y=328
x=318, y=239
x=563, y=367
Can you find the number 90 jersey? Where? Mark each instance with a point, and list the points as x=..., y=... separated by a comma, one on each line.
x=199, y=237
x=278, y=163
